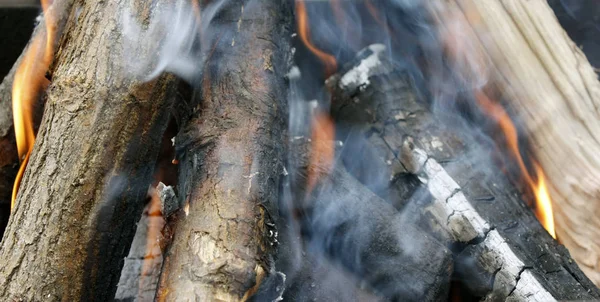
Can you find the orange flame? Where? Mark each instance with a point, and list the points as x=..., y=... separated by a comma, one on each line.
x=323, y=150
x=543, y=206
x=155, y=223
x=323, y=128
x=456, y=29
x=304, y=32
x=29, y=81
x=543, y=209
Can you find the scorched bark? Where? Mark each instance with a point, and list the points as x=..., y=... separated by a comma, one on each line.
x=90, y=168
x=230, y=153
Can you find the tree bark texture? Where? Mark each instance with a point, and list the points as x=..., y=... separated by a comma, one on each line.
x=9, y=160
x=230, y=153
x=451, y=188
x=90, y=169
x=547, y=80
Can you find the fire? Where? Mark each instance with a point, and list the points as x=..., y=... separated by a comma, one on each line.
x=323, y=128
x=303, y=31
x=29, y=81
x=453, y=39
x=543, y=202
x=155, y=223
x=323, y=150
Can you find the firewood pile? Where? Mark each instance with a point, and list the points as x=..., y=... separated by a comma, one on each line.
x=264, y=150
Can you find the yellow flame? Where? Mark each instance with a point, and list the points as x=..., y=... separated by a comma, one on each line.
x=543, y=202
x=28, y=83
x=543, y=209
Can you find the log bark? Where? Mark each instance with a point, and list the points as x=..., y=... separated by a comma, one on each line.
x=230, y=152
x=441, y=175
x=90, y=168
x=548, y=81
x=9, y=161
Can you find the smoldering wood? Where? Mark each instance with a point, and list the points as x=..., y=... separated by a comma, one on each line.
x=230, y=152
x=90, y=168
x=365, y=236
x=442, y=174
x=142, y=267
x=550, y=83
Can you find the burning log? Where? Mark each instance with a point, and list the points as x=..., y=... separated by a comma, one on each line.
x=90, y=169
x=548, y=81
x=230, y=152
x=9, y=160
x=413, y=198
x=439, y=176
x=141, y=271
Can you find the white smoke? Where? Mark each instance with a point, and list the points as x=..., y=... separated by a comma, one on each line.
x=173, y=40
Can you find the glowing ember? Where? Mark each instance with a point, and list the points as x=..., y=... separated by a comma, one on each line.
x=29, y=81
x=155, y=223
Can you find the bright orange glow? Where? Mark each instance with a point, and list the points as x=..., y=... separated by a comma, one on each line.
x=455, y=25
x=154, y=223
x=29, y=81
x=543, y=209
x=543, y=203
x=304, y=33
x=323, y=149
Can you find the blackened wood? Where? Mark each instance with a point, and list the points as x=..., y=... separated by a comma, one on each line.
x=509, y=250
x=90, y=169
x=364, y=235
x=230, y=152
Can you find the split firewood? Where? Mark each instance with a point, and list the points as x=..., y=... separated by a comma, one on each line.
x=501, y=251
x=230, y=152
x=90, y=168
x=549, y=82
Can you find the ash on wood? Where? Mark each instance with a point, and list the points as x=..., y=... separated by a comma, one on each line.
x=467, y=202
x=549, y=82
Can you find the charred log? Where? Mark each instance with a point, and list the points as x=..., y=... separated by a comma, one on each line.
x=549, y=81
x=364, y=235
x=442, y=176
x=90, y=169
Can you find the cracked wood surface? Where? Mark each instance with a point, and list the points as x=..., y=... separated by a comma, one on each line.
x=501, y=250
x=550, y=84
x=90, y=168
x=230, y=152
